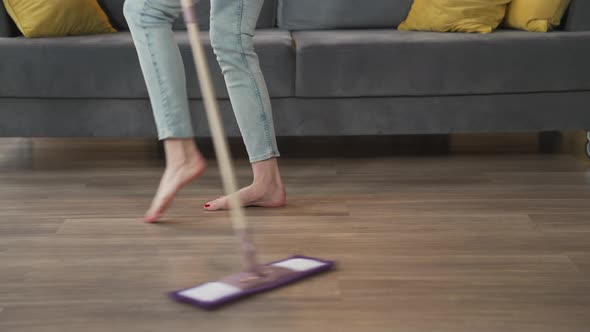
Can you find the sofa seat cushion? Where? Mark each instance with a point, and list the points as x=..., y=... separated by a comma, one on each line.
x=358, y=63
x=107, y=66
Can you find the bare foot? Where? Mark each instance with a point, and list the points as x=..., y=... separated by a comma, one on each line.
x=271, y=195
x=177, y=175
x=267, y=189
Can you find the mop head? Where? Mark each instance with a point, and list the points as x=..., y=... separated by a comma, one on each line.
x=211, y=295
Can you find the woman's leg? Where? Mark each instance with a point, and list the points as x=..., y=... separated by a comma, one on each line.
x=232, y=27
x=150, y=23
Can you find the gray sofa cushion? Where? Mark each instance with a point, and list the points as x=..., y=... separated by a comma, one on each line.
x=114, y=9
x=106, y=66
x=333, y=14
x=359, y=63
x=578, y=16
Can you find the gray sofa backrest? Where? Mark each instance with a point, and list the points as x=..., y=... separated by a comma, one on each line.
x=578, y=16
x=341, y=14
x=114, y=9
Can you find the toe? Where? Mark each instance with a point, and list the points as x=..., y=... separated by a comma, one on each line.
x=215, y=205
x=209, y=205
x=151, y=218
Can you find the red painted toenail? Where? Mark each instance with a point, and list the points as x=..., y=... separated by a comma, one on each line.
x=207, y=205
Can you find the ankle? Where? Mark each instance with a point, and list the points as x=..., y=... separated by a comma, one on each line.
x=181, y=153
x=266, y=172
x=265, y=182
x=186, y=163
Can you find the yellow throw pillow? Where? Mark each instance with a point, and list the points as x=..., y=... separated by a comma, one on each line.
x=481, y=16
x=54, y=18
x=535, y=15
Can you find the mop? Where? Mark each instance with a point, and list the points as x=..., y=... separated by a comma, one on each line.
x=255, y=278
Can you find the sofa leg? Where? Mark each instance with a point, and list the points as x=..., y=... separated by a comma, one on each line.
x=437, y=143
x=588, y=144
x=160, y=150
x=550, y=142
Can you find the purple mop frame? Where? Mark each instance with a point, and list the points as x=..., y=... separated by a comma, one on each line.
x=295, y=276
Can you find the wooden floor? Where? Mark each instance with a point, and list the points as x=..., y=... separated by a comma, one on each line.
x=424, y=243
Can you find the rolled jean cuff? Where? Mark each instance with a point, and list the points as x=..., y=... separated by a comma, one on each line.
x=175, y=132
x=266, y=156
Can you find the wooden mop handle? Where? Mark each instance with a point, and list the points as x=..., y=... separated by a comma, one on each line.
x=228, y=176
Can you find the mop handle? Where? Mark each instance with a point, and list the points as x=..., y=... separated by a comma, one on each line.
x=228, y=176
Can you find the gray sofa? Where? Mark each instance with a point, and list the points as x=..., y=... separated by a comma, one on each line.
x=333, y=67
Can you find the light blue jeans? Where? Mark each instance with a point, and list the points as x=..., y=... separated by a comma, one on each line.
x=232, y=26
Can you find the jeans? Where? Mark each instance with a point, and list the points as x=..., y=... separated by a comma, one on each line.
x=232, y=26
